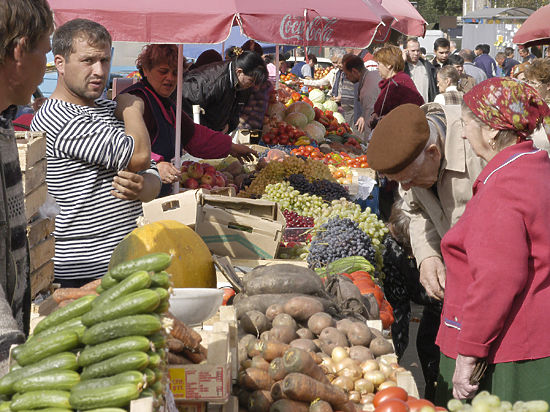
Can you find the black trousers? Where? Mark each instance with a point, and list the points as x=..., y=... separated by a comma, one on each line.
x=428, y=351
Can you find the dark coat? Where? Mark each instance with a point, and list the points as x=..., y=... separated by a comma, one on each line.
x=432, y=78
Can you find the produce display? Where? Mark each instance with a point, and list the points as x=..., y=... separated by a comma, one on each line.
x=485, y=401
x=203, y=175
x=326, y=189
x=331, y=158
x=98, y=351
x=320, y=72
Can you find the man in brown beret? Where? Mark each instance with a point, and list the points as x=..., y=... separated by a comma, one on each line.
x=422, y=148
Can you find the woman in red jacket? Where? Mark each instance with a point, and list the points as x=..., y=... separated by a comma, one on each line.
x=396, y=87
x=497, y=293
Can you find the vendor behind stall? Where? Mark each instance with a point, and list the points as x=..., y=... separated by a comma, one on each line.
x=157, y=64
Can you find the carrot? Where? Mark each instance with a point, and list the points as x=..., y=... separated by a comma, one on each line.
x=346, y=407
x=277, y=370
x=174, y=345
x=259, y=401
x=304, y=388
x=196, y=357
x=319, y=405
x=287, y=405
x=71, y=293
x=259, y=363
x=255, y=379
x=191, y=339
x=298, y=360
x=272, y=350
x=277, y=391
x=91, y=285
x=318, y=360
x=174, y=359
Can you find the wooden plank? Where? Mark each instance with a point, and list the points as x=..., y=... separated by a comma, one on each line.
x=34, y=200
x=32, y=148
x=39, y=230
x=34, y=176
x=42, y=253
x=42, y=278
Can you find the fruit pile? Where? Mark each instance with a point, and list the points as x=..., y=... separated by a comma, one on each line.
x=297, y=227
x=202, y=175
x=334, y=159
x=288, y=77
x=284, y=134
x=329, y=191
x=290, y=199
x=320, y=72
x=485, y=401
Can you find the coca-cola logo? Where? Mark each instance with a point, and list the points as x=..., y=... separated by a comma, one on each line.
x=319, y=29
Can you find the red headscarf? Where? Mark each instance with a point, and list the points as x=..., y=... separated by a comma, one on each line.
x=509, y=104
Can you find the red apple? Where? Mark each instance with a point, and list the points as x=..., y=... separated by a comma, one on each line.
x=209, y=169
x=208, y=179
x=195, y=170
x=184, y=176
x=205, y=186
x=220, y=179
x=191, y=183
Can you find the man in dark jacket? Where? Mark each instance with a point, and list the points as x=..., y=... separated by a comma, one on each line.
x=509, y=61
x=484, y=61
x=26, y=26
x=442, y=49
x=422, y=72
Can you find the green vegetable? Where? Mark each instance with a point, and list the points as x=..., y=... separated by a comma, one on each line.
x=126, y=326
x=114, y=396
x=133, y=377
x=161, y=279
x=53, y=379
x=74, y=325
x=134, y=360
x=346, y=265
x=41, y=347
x=72, y=310
x=154, y=262
x=106, y=350
x=107, y=281
x=40, y=399
x=136, y=281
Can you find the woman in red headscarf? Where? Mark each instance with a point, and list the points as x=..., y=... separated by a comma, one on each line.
x=497, y=293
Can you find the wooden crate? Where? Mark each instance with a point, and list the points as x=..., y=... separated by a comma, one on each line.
x=42, y=253
x=42, y=278
x=34, y=177
x=32, y=148
x=39, y=230
x=34, y=200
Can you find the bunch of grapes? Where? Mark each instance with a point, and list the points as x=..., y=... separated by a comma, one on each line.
x=297, y=227
x=329, y=191
x=293, y=219
x=289, y=198
x=339, y=238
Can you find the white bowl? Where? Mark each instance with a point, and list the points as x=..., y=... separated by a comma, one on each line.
x=195, y=305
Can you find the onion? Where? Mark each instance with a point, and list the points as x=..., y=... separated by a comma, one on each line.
x=386, y=369
x=353, y=371
x=363, y=386
x=339, y=354
x=369, y=365
x=388, y=359
x=343, y=382
x=386, y=384
x=329, y=365
x=376, y=377
x=330, y=377
x=354, y=396
x=393, y=375
x=367, y=398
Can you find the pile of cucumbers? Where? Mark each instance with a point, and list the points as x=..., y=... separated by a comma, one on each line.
x=98, y=352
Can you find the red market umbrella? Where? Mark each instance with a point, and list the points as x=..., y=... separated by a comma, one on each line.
x=408, y=19
x=535, y=30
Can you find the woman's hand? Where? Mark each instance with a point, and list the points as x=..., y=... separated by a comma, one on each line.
x=242, y=152
x=168, y=172
x=360, y=124
x=462, y=389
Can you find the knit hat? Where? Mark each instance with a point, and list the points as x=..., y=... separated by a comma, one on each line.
x=398, y=139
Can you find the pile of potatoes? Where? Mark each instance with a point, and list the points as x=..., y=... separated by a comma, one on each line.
x=347, y=355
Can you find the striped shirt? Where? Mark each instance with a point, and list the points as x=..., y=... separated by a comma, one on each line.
x=86, y=147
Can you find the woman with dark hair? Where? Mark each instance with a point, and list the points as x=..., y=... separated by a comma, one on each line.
x=157, y=64
x=215, y=87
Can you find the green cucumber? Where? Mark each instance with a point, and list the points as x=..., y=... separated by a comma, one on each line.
x=148, y=393
x=64, y=360
x=163, y=307
x=113, y=396
x=5, y=406
x=106, y=350
x=161, y=279
x=158, y=387
x=106, y=410
x=126, y=326
x=41, y=399
x=164, y=295
x=134, y=360
x=41, y=347
x=62, y=380
x=154, y=359
x=155, y=262
x=158, y=340
x=74, y=324
x=136, y=281
x=107, y=281
x=100, y=289
x=134, y=377
x=15, y=366
x=142, y=301
x=47, y=410
x=150, y=376
x=72, y=310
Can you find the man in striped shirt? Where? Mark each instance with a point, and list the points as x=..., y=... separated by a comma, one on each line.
x=25, y=28
x=99, y=155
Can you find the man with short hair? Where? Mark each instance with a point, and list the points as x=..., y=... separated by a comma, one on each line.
x=500, y=57
x=526, y=55
x=308, y=69
x=368, y=90
x=99, y=155
x=484, y=61
x=453, y=49
x=333, y=77
x=469, y=67
x=422, y=148
x=509, y=61
x=422, y=72
x=465, y=82
x=26, y=26
x=442, y=49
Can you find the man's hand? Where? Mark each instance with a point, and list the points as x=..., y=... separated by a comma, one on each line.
x=461, y=378
x=432, y=276
x=168, y=172
x=242, y=152
x=127, y=185
x=128, y=101
x=360, y=124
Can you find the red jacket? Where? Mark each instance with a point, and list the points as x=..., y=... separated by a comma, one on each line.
x=497, y=293
x=396, y=91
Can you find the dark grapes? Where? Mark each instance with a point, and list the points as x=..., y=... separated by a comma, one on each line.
x=297, y=227
x=326, y=189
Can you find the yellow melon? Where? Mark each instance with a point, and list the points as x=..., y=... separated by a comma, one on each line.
x=192, y=265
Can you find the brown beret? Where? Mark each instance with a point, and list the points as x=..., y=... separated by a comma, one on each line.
x=398, y=139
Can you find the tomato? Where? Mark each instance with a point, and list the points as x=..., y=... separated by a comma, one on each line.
x=415, y=405
x=364, y=165
x=392, y=405
x=394, y=392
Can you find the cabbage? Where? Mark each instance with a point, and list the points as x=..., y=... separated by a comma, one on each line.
x=330, y=105
x=302, y=107
x=338, y=116
x=317, y=96
x=296, y=119
x=276, y=108
x=319, y=106
x=315, y=132
x=319, y=125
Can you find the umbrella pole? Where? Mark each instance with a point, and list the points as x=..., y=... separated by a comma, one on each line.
x=177, y=157
x=277, y=63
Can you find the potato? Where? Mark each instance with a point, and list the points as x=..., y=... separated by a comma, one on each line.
x=359, y=334
x=254, y=322
x=319, y=321
x=273, y=311
x=283, y=334
x=302, y=308
x=264, y=337
x=343, y=325
x=380, y=346
x=283, y=319
x=305, y=333
x=305, y=344
x=242, y=347
x=360, y=353
x=332, y=337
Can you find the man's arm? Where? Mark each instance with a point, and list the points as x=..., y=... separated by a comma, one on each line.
x=132, y=186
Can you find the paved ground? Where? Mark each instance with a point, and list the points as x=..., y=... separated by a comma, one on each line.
x=410, y=358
